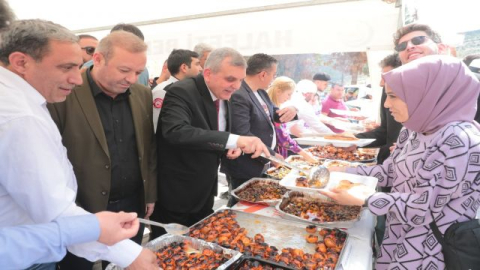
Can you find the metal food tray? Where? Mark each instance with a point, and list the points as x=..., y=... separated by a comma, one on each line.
x=300, y=161
x=316, y=197
x=195, y=243
x=370, y=182
x=348, y=164
x=360, y=150
x=274, y=265
x=251, y=182
x=269, y=173
x=337, y=143
x=280, y=233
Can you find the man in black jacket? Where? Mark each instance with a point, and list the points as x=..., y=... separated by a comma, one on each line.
x=193, y=135
x=253, y=114
x=387, y=133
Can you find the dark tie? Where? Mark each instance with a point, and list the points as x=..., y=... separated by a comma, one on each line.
x=217, y=106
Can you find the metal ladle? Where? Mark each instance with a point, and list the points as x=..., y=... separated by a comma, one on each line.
x=171, y=228
x=318, y=176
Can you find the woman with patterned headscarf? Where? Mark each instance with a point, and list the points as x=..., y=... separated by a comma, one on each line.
x=434, y=169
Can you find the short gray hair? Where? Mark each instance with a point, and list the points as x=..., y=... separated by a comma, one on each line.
x=215, y=58
x=201, y=48
x=32, y=37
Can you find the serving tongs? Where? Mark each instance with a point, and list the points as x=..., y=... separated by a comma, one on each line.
x=171, y=228
x=317, y=176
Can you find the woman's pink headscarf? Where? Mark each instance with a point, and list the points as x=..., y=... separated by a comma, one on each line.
x=437, y=89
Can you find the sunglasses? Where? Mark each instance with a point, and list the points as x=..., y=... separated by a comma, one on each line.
x=89, y=50
x=415, y=41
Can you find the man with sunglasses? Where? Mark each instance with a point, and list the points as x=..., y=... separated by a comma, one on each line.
x=88, y=44
x=414, y=41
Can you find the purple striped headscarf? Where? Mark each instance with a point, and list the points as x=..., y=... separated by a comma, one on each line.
x=437, y=89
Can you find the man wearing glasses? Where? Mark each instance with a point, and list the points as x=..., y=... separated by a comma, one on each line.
x=417, y=40
x=88, y=44
x=414, y=41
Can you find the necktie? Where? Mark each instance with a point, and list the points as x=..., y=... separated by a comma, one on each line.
x=217, y=106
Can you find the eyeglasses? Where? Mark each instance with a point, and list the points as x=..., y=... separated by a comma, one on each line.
x=89, y=50
x=415, y=41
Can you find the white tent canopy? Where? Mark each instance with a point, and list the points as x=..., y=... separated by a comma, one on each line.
x=252, y=26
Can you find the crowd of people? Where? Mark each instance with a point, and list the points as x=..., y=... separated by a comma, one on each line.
x=83, y=130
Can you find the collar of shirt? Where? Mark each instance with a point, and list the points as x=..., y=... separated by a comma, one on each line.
x=11, y=79
x=96, y=90
x=214, y=98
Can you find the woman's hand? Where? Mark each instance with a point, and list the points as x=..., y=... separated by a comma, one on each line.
x=392, y=147
x=345, y=197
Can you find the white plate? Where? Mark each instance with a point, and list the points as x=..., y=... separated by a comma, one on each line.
x=348, y=113
x=335, y=178
x=337, y=143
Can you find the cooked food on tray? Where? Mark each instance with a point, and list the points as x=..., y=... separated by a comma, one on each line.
x=183, y=256
x=303, y=181
x=331, y=152
x=319, y=211
x=259, y=264
x=340, y=163
x=340, y=137
x=312, y=238
x=258, y=191
x=301, y=162
x=330, y=240
x=278, y=173
x=311, y=229
x=222, y=228
x=346, y=184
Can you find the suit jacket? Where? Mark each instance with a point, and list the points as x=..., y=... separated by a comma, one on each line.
x=386, y=134
x=189, y=146
x=82, y=132
x=250, y=119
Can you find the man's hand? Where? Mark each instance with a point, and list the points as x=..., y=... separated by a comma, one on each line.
x=149, y=210
x=252, y=145
x=146, y=260
x=115, y=227
x=234, y=153
x=287, y=114
x=279, y=157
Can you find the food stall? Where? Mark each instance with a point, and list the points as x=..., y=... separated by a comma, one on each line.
x=280, y=222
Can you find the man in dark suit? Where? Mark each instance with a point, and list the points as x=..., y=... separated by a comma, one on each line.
x=387, y=133
x=254, y=114
x=106, y=126
x=193, y=135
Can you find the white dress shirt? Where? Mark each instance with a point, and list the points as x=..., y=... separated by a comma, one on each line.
x=37, y=182
x=222, y=122
x=158, y=94
x=306, y=114
x=265, y=108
